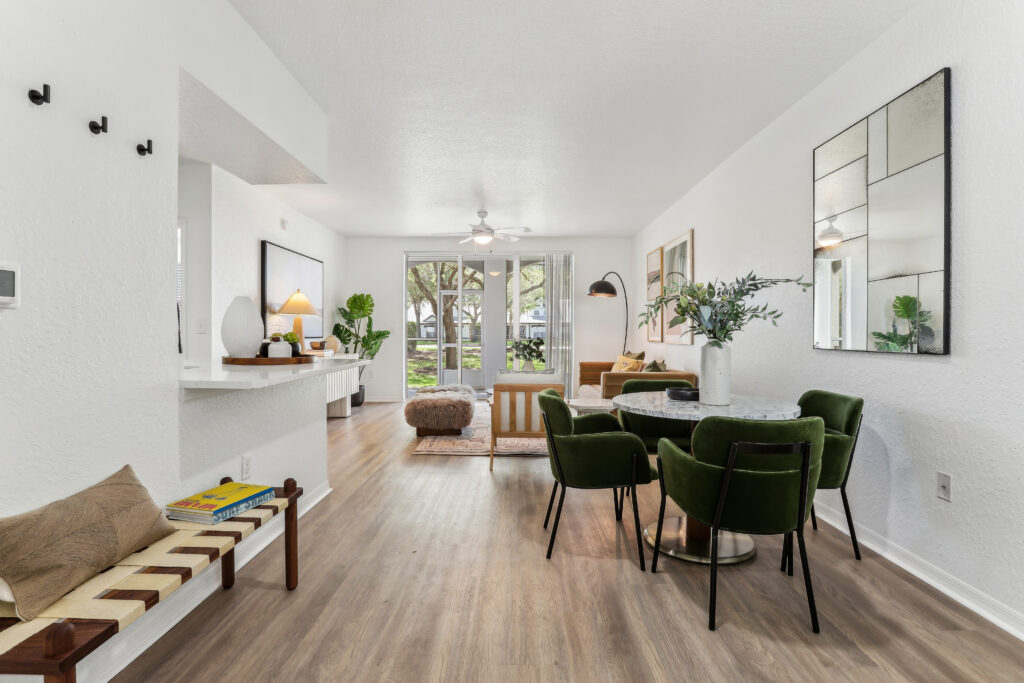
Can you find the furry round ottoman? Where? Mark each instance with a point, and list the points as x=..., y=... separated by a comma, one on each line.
x=441, y=411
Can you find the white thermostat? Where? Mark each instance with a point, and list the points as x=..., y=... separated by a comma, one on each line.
x=10, y=285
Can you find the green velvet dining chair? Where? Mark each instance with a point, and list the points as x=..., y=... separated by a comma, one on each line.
x=745, y=476
x=842, y=415
x=652, y=429
x=592, y=452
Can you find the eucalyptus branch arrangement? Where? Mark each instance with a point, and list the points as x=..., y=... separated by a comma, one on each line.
x=717, y=310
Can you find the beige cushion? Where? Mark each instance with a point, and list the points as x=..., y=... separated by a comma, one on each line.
x=49, y=551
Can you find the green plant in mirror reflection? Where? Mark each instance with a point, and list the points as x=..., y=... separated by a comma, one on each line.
x=908, y=308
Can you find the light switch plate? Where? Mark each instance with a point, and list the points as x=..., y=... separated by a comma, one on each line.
x=943, y=487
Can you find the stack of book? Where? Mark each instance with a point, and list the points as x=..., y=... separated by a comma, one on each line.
x=218, y=504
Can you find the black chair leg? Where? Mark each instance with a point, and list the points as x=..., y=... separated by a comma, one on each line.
x=551, y=503
x=714, y=578
x=636, y=519
x=554, y=527
x=849, y=523
x=785, y=552
x=657, y=536
x=620, y=497
x=789, y=554
x=807, y=581
x=814, y=518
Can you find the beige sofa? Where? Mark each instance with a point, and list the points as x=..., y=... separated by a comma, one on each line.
x=598, y=374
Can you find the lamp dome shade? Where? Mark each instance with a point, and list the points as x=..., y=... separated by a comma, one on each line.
x=298, y=304
x=602, y=288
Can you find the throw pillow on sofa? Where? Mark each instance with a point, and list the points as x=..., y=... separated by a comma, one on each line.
x=627, y=364
x=656, y=366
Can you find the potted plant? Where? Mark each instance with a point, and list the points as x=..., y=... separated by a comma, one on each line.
x=717, y=311
x=354, y=338
x=528, y=350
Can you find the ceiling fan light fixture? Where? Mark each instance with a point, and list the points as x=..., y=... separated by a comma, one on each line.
x=483, y=238
x=830, y=236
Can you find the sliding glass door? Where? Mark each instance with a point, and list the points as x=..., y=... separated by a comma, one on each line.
x=444, y=312
x=464, y=312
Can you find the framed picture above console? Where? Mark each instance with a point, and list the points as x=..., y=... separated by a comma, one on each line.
x=881, y=234
x=286, y=272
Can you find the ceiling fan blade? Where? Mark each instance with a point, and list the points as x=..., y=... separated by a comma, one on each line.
x=468, y=239
x=449, y=234
x=522, y=229
x=506, y=238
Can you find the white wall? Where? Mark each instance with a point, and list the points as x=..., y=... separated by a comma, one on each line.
x=284, y=428
x=243, y=215
x=88, y=365
x=376, y=266
x=958, y=414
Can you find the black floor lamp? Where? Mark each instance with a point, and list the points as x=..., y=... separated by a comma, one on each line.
x=606, y=289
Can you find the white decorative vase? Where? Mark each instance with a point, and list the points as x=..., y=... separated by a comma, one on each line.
x=528, y=366
x=715, y=372
x=242, y=328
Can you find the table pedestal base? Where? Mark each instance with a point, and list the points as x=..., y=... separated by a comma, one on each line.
x=732, y=548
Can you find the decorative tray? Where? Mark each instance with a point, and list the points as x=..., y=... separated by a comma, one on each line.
x=295, y=360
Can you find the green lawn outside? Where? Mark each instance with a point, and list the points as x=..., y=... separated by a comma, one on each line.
x=422, y=363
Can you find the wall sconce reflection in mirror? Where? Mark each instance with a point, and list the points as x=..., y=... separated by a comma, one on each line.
x=100, y=127
x=40, y=97
x=145, y=149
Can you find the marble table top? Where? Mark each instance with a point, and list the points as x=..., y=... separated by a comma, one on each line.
x=657, y=404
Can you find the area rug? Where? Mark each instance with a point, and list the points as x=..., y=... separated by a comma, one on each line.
x=476, y=440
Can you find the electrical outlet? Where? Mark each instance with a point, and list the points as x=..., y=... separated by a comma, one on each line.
x=202, y=326
x=246, y=467
x=944, y=485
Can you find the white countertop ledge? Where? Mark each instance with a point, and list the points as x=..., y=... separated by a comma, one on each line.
x=241, y=377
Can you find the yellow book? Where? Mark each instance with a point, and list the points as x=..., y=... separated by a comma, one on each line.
x=217, y=499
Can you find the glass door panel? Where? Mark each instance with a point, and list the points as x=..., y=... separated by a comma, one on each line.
x=448, y=358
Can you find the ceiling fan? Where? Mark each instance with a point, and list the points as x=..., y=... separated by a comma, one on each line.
x=483, y=234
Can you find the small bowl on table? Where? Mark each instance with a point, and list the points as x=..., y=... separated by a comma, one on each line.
x=683, y=393
x=317, y=345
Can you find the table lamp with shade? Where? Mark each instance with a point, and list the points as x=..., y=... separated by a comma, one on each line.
x=298, y=304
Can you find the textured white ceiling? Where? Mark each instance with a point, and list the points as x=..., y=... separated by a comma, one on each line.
x=573, y=117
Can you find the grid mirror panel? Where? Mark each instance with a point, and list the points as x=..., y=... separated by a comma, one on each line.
x=881, y=228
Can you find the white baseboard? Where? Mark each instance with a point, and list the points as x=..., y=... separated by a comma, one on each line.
x=122, y=649
x=1006, y=618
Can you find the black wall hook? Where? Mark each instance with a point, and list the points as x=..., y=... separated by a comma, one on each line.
x=145, y=149
x=40, y=97
x=98, y=128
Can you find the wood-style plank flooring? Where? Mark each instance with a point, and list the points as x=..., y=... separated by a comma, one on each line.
x=432, y=568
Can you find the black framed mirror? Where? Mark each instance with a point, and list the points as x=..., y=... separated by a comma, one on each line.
x=881, y=235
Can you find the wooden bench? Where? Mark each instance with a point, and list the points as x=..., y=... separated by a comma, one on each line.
x=52, y=644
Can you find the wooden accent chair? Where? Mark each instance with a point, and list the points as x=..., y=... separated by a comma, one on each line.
x=599, y=374
x=514, y=409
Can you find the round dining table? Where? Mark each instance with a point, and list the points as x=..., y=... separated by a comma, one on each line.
x=688, y=539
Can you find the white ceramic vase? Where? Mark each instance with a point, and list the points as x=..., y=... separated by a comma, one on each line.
x=715, y=375
x=528, y=366
x=242, y=328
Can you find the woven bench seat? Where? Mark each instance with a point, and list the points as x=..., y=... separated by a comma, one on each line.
x=72, y=627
